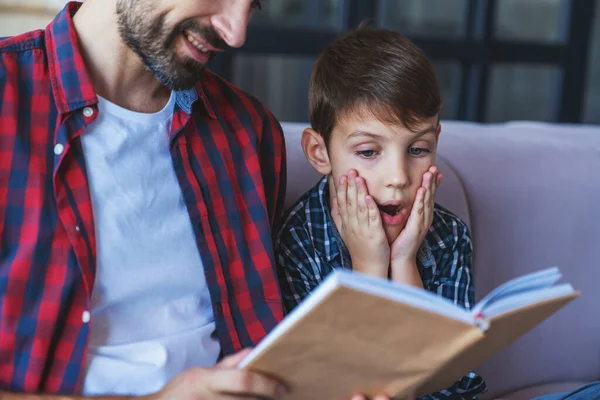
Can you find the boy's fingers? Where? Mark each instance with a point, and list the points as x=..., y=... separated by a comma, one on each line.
x=430, y=198
x=433, y=171
x=341, y=196
x=428, y=184
x=418, y=210
x=335, y=212
x=373, y=212
x=428, y=211
x=438, y=181
x=351, y=197
x=434, y=178
x=363, y=213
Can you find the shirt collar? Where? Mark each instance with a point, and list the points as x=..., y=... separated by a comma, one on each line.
x=71, y=84
x=332, y=246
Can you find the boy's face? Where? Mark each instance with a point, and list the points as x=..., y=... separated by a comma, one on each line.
x=391, y=158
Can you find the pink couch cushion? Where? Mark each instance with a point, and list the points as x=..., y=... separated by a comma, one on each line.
x=534, y=196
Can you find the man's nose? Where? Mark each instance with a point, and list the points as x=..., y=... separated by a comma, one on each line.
x=232, y=24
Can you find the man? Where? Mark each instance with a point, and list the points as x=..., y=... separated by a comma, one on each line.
x=137, y=195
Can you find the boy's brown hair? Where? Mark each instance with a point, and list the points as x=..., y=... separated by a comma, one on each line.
x=376, y=71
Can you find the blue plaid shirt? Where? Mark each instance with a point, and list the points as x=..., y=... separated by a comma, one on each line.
x=308, y=247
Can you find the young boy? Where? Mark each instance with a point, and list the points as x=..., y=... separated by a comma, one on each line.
x=374, y=108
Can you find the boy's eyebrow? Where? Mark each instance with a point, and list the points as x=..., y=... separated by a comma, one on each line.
x=364, y=133
x=429, y=129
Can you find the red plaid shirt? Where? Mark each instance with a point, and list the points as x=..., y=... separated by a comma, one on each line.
x=229, y=157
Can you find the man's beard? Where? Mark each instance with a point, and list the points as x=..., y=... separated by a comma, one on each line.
x=155, y=43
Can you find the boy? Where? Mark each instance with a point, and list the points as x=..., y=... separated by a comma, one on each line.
x=374, y=108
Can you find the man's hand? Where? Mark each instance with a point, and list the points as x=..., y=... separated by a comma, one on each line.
x=222, y=382
x=357, y=217
x=405, y=247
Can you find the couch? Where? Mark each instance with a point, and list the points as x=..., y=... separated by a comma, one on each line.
x=530, y=193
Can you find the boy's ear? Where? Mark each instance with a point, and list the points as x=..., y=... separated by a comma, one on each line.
x=315, y=151
x=438, y=130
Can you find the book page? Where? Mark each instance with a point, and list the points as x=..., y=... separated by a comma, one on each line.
x=526, y=283
x=524, y=299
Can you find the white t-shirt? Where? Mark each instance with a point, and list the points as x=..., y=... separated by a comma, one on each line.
x=151, y=310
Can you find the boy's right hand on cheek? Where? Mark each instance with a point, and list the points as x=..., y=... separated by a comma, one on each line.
x=357, y=217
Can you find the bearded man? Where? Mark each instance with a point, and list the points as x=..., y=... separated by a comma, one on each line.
x=138, y=192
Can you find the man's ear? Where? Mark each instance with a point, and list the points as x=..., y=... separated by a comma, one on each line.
x=315, y=151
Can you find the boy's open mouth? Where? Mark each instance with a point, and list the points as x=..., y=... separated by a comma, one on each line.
x=390, y=209
x=393, y=213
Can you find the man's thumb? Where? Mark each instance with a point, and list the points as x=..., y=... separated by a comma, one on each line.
x=233, y=360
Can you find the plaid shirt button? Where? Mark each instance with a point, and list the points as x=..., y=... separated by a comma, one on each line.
x=58, y=149
x=85, y=317
x=88, y=112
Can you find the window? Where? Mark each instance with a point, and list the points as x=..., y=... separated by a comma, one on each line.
x=496, y=60
x=286, y=93
x=522, y=92
x=438, y=18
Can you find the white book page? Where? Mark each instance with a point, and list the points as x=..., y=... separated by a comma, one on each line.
x=524, y=299
x=526, y=283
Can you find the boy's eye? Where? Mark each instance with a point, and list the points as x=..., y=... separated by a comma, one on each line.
x=256, y=5
x=366, y=153
x=417, y=151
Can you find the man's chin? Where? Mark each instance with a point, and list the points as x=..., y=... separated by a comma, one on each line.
x=179, y=83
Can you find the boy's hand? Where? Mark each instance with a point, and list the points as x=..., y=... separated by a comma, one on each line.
x=405, y=247
x=357, y=218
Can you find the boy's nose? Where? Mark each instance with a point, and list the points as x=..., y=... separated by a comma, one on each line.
x=397, y=176
x=398, y=181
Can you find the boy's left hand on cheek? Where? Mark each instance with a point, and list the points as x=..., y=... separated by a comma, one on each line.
x=405, y=247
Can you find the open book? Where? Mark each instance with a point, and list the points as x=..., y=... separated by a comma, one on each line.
x=356, y=333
